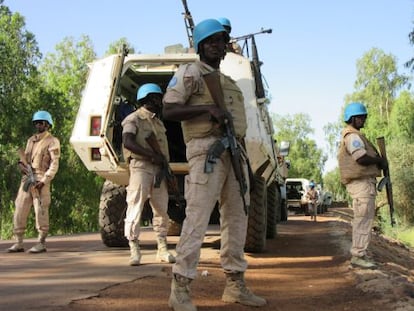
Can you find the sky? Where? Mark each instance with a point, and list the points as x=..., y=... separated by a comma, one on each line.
x=309, y=59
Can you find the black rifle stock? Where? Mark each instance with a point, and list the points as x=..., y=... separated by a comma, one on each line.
x=30, y=182
x=386, y=173
x=212, y=81
x=165, y=171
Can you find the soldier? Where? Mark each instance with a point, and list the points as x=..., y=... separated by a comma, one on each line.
x=188, y=99
x=144, y=165
x=359, y=165
x=312, y=197
x=232, y=46
x=41, y=158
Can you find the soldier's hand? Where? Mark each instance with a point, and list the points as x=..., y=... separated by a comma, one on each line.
x=218, y=114
x=383, y=164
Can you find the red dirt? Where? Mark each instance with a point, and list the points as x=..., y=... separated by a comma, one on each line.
x=305, y=268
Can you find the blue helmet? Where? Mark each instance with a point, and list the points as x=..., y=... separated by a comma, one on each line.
x=42, y=115
x=146, y=89
x=225, y=22
x=311, y=184
x=207, y=28
x=354, y=109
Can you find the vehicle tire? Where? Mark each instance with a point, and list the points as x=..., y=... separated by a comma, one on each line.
x=256, y=228
x=273, y=210
x=112, y=208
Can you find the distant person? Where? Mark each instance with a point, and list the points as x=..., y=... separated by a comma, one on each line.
x=312, y=198
x=188, y=99
x=232, y=46
x=359, y=165
x=144, y=165
x=39, y=167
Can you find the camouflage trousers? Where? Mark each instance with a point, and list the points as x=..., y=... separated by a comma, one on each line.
x=363, y=193
x=140, y=188
x=202, y=191
x=24, y=202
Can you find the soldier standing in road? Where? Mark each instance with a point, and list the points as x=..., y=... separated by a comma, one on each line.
x=189, y=100
x=144, y=165
x=359, y=165
x=312, y=197
x=42, y=156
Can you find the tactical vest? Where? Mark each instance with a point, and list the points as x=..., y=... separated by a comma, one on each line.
x=37, y=152
x=147, y=125
x=203, y=126
x=349, y=169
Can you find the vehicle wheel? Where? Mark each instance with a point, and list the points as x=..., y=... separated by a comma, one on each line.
x=112, y=208
x=256, y=228
x=273, y=210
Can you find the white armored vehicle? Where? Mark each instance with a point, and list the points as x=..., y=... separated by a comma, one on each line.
x=111, y=91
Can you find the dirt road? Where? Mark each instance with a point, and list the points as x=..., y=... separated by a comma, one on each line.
x=305, y=268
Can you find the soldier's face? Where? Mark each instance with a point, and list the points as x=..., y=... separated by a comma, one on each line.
x=41, y=126
x=213, y=47
x=154, y=102
x=359, y=121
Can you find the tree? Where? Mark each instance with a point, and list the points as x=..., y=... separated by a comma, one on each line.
x=307, y=160
x=402, y=117
x=76, y=191
x=114, y=47
x=19, y=56
x=377, y=84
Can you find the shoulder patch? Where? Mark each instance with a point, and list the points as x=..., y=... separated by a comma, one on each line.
x=172, y=82
x=356, y=144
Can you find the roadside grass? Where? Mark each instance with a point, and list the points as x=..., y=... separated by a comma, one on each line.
x=399, y=232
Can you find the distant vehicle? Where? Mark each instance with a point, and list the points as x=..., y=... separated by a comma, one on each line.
x=295, y=193
x=326, y=201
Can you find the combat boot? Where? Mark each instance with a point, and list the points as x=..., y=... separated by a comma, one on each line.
x=18, y=246
x=180, y=299
x=363, y=262
x=40, y=247
x=236, y=291
x=163, y=255
x=135, y=258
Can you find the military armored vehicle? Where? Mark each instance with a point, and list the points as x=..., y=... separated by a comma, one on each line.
x=111, y=91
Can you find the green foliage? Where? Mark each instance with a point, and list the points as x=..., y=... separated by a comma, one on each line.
x=402, y=176
x=377, y=85
x=76, y=191
x=402, y=118
x=19, y=56
x=307, y=160
x=56, y=86
x=332, y=183
x=115, y=47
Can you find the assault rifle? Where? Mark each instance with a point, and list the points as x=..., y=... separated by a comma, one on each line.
x=251, y=35
x=212, y=81
x=387, y=179
x=165, y=171
x=189, y=23
x=30, y=182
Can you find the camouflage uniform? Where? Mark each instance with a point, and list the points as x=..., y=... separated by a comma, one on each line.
x=142, y=173
x=42, y=153
x=360, y=182
x=203, y=190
